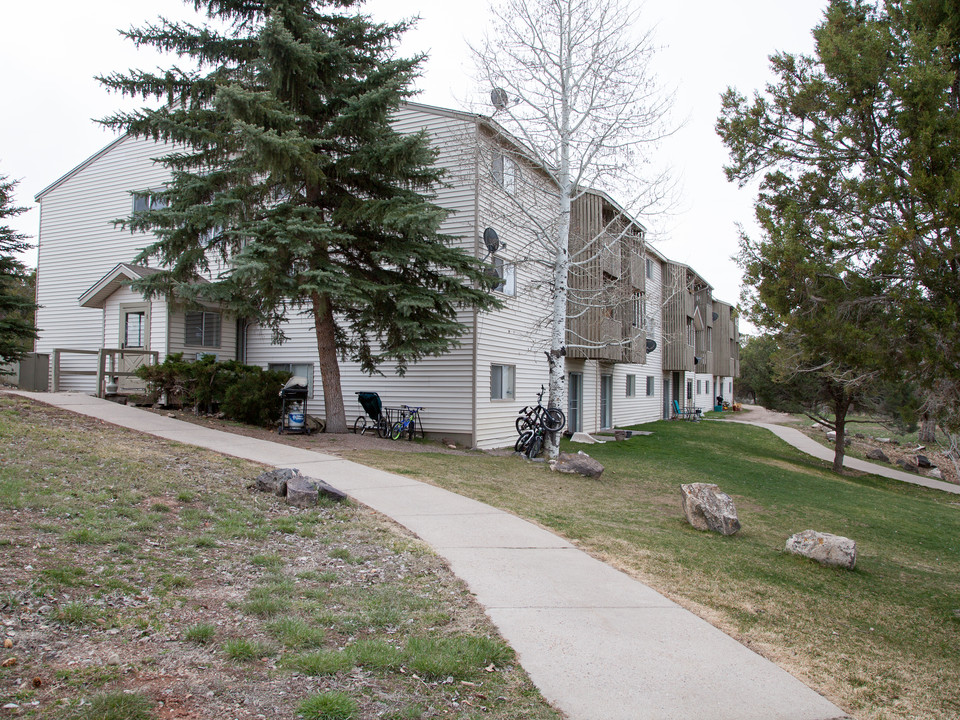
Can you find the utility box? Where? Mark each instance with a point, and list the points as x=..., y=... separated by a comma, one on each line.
x=34, y=372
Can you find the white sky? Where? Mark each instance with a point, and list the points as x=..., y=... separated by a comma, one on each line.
x=51, y=51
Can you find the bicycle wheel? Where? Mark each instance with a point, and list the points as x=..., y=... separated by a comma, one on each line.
x=360, y=425
x=383, y=427
x=553, y=419
x=523, y=441
x=535, y=447
x=525, y=422
x=412, y=428
x=397, y=430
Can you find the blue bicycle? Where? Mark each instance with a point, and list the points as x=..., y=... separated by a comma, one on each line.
x=407, y=424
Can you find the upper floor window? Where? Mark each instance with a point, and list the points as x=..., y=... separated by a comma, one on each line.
x=506, y=172
x=690, y=332
x=202, y=329
x=146, y=201
x=507, y=273
x=649, y=269
x=638, y=308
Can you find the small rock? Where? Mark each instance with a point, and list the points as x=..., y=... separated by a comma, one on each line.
x=935, y=474
x=9, y=662
x=832, y=435
x=11, y=706
x=582, y=437
x=859, y=436
x=581, y=464
x=275, y=481
x=330, y=491
x=877, y=454
x=826, y=549
x=706, y=507
x=301, y=491
x=883, y=440
x=8, y=643
x=619, y=435
x=908, y=466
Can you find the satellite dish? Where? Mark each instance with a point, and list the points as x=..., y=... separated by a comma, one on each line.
x=499, y=98
x=716, y=316
x=491, y=240
x=696, y=360
x=651, y=344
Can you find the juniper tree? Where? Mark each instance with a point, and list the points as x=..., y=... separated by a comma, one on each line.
x=17, y=307
x=289, y=185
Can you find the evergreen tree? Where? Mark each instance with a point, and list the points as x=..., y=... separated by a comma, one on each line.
x=286, y=170
x=863, y=138
x=17, y=307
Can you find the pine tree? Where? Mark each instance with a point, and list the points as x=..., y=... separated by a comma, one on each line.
x=17, y=307
x=286, y=168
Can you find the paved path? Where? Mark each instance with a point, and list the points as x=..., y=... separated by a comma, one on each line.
x=806, y=444
x=598, y=644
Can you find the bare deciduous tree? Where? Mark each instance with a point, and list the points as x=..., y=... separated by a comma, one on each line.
x=572, y=80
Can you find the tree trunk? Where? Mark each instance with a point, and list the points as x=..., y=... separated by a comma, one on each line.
x=928, y=429
x=329, y=365
x=840, y=407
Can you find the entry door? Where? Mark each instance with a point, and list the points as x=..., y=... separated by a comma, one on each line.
x=134, y=335
x=666, y=399
x=606, y=402
x=575, y=403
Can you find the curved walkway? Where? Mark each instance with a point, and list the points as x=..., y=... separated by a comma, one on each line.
x=598, y=644
x=795, y=437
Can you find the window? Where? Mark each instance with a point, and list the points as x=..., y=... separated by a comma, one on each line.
x=134, y=327
x=730, y=388
x=689, y=389
x=631, y=385
x=709, y=339
x=304, y=370
x=146, y=201
x=501, y=382
x=699, y=387
x=505, y=172
x=649, y=269
x=651, y=386
x=508, y=276
x=202, y=329
x=690, y=332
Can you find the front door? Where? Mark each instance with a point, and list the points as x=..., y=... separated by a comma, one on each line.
x=666, y=399
x=134, y=335
x=575, y=403
x=606, y=402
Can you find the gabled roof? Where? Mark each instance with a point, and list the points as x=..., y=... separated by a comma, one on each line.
x=96, y=296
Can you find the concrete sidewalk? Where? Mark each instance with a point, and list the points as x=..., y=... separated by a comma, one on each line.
x=598, y=644
x=795, y=437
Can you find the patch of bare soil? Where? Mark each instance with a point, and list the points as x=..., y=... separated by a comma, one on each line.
x=132, y=565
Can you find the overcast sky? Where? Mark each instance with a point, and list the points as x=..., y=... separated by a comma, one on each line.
x=51, y=51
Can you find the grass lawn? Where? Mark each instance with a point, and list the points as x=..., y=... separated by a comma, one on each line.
x=141, y=579
x=881, y=641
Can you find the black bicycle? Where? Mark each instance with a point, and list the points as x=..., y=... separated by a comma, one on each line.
x=532, y=416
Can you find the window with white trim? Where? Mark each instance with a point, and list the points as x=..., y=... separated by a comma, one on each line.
x=304, y=370
x=143, y=201
x=689, y=389
x=202, y=329
x=631, y=385
x=502, y=382
x=134, y=326
x=651, y=386
x=505, y=171
x=507, y=272
x=649, y=269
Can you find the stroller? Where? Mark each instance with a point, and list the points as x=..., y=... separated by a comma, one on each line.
x=370, y=402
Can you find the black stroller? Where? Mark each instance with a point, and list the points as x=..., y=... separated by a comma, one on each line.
x=370, y=402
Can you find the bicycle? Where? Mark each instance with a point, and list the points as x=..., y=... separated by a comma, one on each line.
x=530, y=442
x=406, y=424
x=552, y=419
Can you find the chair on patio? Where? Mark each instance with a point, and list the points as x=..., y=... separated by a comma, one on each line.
x=686, y=413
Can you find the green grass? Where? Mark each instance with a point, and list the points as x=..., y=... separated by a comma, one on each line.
x=899, y=603
x=118, y=706
x=244, y=650
x=330, y=705
x=200, y=634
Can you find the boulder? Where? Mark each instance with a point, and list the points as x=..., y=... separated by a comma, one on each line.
x=275, y=481
x=301, y=491
x=924, y=462
x=826, y=549
x=934, y=473
x=877, y=454
x=706, y=507
x=330, y=491
x=908, y=466
x=581, y=464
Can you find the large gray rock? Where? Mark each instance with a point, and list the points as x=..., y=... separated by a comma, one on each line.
x=907, y=465
x=877, y=454
x=275, y=481
x=302, y=491
x=581, y=464
x=330, y=491
x=706, y=507
x=924, y=462
x=827, y=549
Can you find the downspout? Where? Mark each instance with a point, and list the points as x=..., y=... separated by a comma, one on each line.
x=476, y=254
